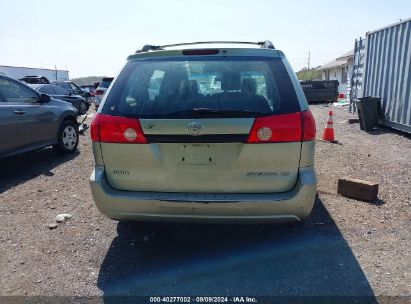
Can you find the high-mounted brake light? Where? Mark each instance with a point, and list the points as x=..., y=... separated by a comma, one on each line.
x=115, y=129
x=292, y=127
x=201, y=52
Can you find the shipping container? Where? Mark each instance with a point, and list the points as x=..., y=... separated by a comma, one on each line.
x=382, y=68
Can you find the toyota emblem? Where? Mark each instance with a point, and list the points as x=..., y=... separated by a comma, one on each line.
x=195, y=128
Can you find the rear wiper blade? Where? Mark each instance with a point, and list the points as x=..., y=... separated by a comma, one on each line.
x=226, y=111
x=179, y=112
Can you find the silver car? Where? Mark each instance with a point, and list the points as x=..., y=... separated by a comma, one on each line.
x=239, y=149
x=30, y=120
x=101, y=90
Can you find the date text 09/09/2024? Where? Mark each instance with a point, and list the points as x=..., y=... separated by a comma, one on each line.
x=205, y=299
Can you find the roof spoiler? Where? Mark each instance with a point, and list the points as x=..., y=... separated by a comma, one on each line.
x=267, y=44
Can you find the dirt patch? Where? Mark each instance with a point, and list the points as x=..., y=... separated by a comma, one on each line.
x=379, y=232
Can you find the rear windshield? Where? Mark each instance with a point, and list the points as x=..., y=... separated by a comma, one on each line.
x=234, y=87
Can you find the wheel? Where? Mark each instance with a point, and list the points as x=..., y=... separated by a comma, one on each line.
x=67, y=138
x=83, y=107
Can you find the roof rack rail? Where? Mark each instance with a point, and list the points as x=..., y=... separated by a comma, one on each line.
x=264, y=44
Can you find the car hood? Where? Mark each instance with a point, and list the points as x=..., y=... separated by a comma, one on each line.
x=69, y=97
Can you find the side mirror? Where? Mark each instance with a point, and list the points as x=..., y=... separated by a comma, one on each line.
x=44, y=98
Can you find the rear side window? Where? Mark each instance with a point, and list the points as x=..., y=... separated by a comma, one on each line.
x=105, y=83
x=73, y=86
x=60, y=90
x=47, y=89
x=64, y=85
x=15, y=92
x=246, y=86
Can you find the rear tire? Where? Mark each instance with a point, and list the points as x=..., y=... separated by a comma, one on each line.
x=68, y=138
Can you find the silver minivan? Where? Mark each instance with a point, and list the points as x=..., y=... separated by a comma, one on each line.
x=204, y=134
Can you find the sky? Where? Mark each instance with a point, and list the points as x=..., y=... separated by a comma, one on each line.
x=94, y=37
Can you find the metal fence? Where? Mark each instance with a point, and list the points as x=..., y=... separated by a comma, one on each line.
x=386, y=72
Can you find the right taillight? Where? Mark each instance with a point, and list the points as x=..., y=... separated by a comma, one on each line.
x=292, y=127
x=116, y=129
x=99, y=92
x=309, y=128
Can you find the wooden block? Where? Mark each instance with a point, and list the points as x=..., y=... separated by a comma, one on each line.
x=358, y=189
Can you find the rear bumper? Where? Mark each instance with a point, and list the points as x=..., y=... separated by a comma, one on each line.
x=288, y=206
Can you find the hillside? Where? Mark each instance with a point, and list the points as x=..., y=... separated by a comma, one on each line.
x=89, y=80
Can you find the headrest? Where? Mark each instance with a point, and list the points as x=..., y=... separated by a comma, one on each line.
x=188, y=87
x=231, y=82
x=193, y=86
x=249, y=86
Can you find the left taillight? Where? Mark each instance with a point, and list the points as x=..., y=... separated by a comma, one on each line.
x=276, y=128
x=116, y=129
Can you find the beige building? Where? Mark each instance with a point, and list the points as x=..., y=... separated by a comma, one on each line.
x=339, y=69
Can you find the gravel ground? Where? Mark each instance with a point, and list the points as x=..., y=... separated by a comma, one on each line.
x=346, y=247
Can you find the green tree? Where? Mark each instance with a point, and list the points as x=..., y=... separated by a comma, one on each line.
x=309, y=74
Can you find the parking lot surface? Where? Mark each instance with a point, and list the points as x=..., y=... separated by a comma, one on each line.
x=346, y=247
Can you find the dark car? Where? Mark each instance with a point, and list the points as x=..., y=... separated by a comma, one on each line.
x=89, y=88
x=73, y=88
x=35, y=79
x=30, y=120
x=81, y=104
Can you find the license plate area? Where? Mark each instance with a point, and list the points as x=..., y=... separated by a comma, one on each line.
x=197, y=154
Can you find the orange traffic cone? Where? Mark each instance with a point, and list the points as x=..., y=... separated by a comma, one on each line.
x=328, y=134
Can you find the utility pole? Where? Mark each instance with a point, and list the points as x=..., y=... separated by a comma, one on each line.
x=308, y=66
x=309, y=59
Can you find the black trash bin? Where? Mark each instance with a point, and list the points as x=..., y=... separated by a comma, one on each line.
x=368, y=109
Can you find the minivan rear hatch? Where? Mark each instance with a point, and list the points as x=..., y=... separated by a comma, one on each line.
x=201, y=124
